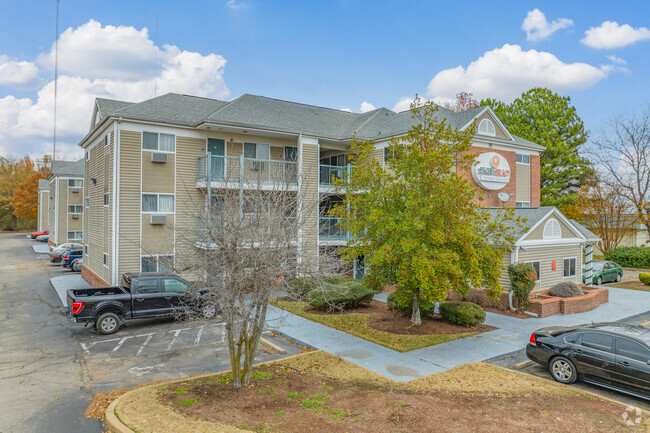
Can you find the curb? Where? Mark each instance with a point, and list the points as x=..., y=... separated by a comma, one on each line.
x=272, y=345
x=292, y=339
x=114, y=424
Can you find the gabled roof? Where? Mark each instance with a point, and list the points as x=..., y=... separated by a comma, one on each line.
x=43, y=185
x=172, y=108
x=532, y=216
x=68, y=168
x=108, y=106
x=588, y=234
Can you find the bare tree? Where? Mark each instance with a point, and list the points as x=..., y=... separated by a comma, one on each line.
x=622, y=153
x=602, y=209
x=245, y=245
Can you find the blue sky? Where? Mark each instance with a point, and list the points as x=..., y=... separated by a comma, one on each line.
x=337, y=54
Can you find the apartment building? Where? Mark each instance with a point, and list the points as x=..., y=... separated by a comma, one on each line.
x=43, y=205
x=65, y=211
x=147, y=162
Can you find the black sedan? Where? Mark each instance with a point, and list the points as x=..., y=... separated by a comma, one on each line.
x=611, y=355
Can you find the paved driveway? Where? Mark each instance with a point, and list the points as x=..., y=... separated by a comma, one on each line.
x=50, y=369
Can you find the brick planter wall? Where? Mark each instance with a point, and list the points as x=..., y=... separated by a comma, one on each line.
x=92, y=278
x=544, y=305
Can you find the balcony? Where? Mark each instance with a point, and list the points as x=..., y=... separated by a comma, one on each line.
x=330, y=231
x=233, y=171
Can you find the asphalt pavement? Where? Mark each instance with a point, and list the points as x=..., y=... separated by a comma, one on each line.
x=50, y=369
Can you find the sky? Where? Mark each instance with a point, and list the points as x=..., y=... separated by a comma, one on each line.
x=343, y=54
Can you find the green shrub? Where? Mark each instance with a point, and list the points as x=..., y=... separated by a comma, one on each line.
x=644, y=278
x=565, y=289
x=300, y=288
x=630, y=257
x=406, y=308
x=462, y=313
x=342, y=296
x=522, y=282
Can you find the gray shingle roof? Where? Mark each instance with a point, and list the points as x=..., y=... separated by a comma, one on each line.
x=591, y=236
x=531, y=215
x=68, y=168
x=172, y=108
x=43, y=185
x=108, y=106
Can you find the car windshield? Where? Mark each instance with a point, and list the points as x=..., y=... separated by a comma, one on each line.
x=597, y=266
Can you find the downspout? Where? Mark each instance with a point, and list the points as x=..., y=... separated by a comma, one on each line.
x=514, y=258
x=116, y=201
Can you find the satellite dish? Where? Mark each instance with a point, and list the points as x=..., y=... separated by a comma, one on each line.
x=504, y=196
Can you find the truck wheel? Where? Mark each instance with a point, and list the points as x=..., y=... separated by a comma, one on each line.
x=108, y=323
x=208, y=311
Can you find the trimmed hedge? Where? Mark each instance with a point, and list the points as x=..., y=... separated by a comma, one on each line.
x=630, y=257
x=565, y=289
x=462, y=313
x=342, y=296
x=426, y=308
x=644, y=278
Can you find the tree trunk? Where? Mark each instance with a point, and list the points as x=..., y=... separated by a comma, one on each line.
x=415, y=316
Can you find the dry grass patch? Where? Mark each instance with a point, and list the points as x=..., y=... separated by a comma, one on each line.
x=633, y=285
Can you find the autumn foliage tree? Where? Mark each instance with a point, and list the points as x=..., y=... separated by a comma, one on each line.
x=19, y=190
x=464, y=101
x=417, y=223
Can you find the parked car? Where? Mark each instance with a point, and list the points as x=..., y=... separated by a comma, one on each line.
x=34, y=234
x=43, y=238
x=603, y=272
x=39, y=237
x=58, y=249
x=140, y=296
x=68, y=257
x=76, y=265
x=611, y=355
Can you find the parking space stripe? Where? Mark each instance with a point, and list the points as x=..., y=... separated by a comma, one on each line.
x=176, y=332
x=143, y=345
x=121, y=343
x=198, y=336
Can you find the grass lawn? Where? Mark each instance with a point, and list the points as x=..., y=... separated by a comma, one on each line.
x=633, y=285
x=358, y=324
x=322, y=393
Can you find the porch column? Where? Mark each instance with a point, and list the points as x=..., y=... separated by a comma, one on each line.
x=589, y=254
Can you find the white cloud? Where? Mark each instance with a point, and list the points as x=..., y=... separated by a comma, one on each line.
x=366, y=106
x=506, y=72
x=236, y=5
x=612, y=35
x=349, y=110
x=26, y=124
x=617, y=60
x=18, y=74
x=537, y=27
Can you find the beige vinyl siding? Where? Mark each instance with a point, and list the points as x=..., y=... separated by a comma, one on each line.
x=309, y=194
x=234, y=149
x=157, y=238
x=522, y=182
x=43, y=212
x=189, y=201
x=538, y=232
x=62, y=212
x=498, y=130
x=51, y=209
x=505, y=277
x=547, y=255
x=378, y=154
x=129, y=208
x=108, y=247
x=96, y=214
x=158, y=176
x=277, y=153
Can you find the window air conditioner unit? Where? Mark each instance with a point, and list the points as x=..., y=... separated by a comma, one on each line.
x=75, y=216
x=257, y=165
x=158, y=219
x=158, y=157
x=75, y=189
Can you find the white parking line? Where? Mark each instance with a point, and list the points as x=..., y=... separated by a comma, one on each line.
x=198, y=336
x=121, y=343
x=86, y=347
x=143, y=345
x=176, y=332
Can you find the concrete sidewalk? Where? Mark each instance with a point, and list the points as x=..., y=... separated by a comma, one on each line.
x=512, y=335
x=64, y=282
x=41, y=248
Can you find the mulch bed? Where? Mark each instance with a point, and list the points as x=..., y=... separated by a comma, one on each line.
x=284, y=399
x=516, y=313
x=382, y=319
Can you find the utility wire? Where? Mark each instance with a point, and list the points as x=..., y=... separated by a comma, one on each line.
x=56, y=76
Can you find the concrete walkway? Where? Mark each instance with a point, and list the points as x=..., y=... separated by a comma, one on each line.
x=512, y=335
x=64, y=282
x=41, y=248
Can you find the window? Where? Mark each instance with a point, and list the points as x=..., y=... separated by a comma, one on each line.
x=106, y=198
x=106, y=260
x=486, y=127
x=158, y=142
x=523, y=204
x=87, y=156
x=87, y=202
x=147, y=285
x=388, y=154
x=552, y=229
x=538, y=268
x=158, y=203
x=523, y=159
x=173, y=285
x=75, y=235
x=569, y=267
x=86, y=249
x=75, y=183
x=573, y=338
x=157, y=263
x=107, y=141
x=257, y=151
x=597, y=341
x=632, y=350
x=75, y=209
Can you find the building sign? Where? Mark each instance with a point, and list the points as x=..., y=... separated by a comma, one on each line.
x=491, y=171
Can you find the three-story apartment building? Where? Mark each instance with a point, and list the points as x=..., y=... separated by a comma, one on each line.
x=147, y=163
x=66, y=212
x=43, y=205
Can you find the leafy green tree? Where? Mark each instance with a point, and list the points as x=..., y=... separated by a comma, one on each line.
x=550, y=120
x=417, y=223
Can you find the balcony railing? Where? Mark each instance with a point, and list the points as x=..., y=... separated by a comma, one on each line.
x=330, y=229
x=329, y=174
x=237, y=169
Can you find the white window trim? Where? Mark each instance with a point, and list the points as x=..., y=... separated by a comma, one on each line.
x=105, y=260
x=493, y=133
x=76, y=181
x=256, y=150
x=520, y=207
x=539, y=276
x=73, y=238
x=157, y=212
x=575, y=267
x=86, y=250
x=522, y=155
x=157, y=257
x=75, y=213
x=550, y=222
x=107, y=202
x=158, y=143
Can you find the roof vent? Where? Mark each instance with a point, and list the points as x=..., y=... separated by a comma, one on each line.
x=486, y=127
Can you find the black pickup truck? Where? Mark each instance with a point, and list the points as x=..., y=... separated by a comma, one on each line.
x=140, y=296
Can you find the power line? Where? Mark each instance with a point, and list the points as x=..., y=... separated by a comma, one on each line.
x=56, y=76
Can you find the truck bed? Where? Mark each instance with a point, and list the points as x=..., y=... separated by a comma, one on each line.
x=98, y=291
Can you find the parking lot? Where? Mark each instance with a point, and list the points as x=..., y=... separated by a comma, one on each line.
x=52, y=368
